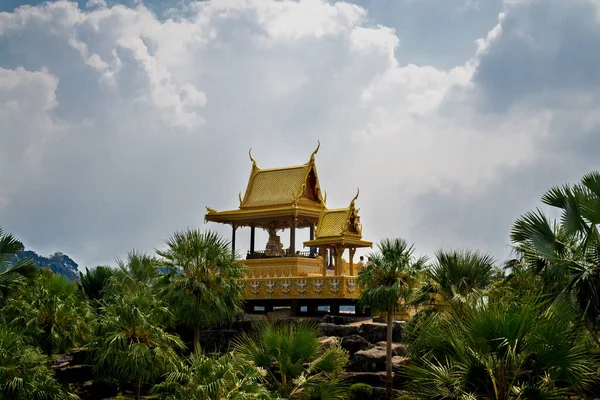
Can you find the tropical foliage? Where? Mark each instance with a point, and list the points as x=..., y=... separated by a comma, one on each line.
x=566, y=253
x=132, y=344
x=526, y=329
x=23, y=373
x=202, y=282
x=12, y=275
x=387, y=283
x=52, y=313
x=228, y=377
x=297, y=363
x=499, y=350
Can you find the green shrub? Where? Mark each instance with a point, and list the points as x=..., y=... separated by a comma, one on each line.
x=361, y=391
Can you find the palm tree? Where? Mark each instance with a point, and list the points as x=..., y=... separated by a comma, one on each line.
x=131, y=343
x=14, y=273
x=499, y=349
x=567, y=253
x=228, y=377
x=53, y=313
x=139, y=266
x=457, y=275
x=386, y=282
x=297, y=363
x=93, y=282
x=203, y=279
x=23, y=373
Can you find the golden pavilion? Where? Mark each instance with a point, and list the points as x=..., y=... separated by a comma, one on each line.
x=322, y=273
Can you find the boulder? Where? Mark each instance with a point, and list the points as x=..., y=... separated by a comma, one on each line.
x=338, y=330
x=398, y=362
x=376, y=332
x=328, y=341
x=338, y=319
x=370, y=360
x=283, y=313
x=61, y=360
x=373, y=332
x=398, y=349
x=354, y=343
x=79, y=355
x=74, y=373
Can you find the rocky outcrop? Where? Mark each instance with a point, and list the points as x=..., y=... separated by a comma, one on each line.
x=328, y=341
x=398, y=349
x=72, y=367
x=338, y=330
x=354, y=343
x=370, y=360
x=370, y=378
x=339, y=319
x=376, y=332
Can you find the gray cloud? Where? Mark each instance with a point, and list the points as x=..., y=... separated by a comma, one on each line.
x=139, y=123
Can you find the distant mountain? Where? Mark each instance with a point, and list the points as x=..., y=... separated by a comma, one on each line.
x=58, y=262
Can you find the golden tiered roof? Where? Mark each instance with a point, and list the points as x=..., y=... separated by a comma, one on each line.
x=339, y=226
x=283, y=186
x=275, y=193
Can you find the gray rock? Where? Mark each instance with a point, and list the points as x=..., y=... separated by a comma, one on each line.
x=338, y=330
x=79, y=355
x=370, y=360
x=354, y=343
x=74, y=373
x=338, y=319
x=398, y=349
x=376, y=332
x=328, y=341
x=398, y=362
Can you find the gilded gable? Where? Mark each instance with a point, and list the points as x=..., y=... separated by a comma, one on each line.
x=283, y=186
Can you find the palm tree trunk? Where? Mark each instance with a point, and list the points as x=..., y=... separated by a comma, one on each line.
x=48, y=334
x=196, y=340
x=388, y=352
x=283, y=383
x=138, y=390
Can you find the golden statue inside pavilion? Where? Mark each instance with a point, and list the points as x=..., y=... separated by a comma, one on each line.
x=322, y=273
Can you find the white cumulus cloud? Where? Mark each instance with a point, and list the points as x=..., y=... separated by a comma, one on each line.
x=124, y=125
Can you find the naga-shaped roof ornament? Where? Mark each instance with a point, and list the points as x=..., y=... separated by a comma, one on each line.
x=252, y=159
x=355, y=197
x=312, y=156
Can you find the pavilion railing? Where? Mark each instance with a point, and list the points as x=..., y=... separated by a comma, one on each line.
x=302, y=287
x=258, y=254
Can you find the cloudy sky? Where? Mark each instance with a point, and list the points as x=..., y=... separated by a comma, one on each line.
x=120, y=122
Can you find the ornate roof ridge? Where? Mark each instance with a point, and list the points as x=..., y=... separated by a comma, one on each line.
x=290, y=178
x=283, y=168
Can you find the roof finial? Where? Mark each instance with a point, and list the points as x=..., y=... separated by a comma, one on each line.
x=240, y=197
x=312, y=157
x=355, y=197
x=252, y=158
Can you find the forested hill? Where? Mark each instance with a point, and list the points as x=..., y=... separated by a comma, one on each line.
x=59, y=263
